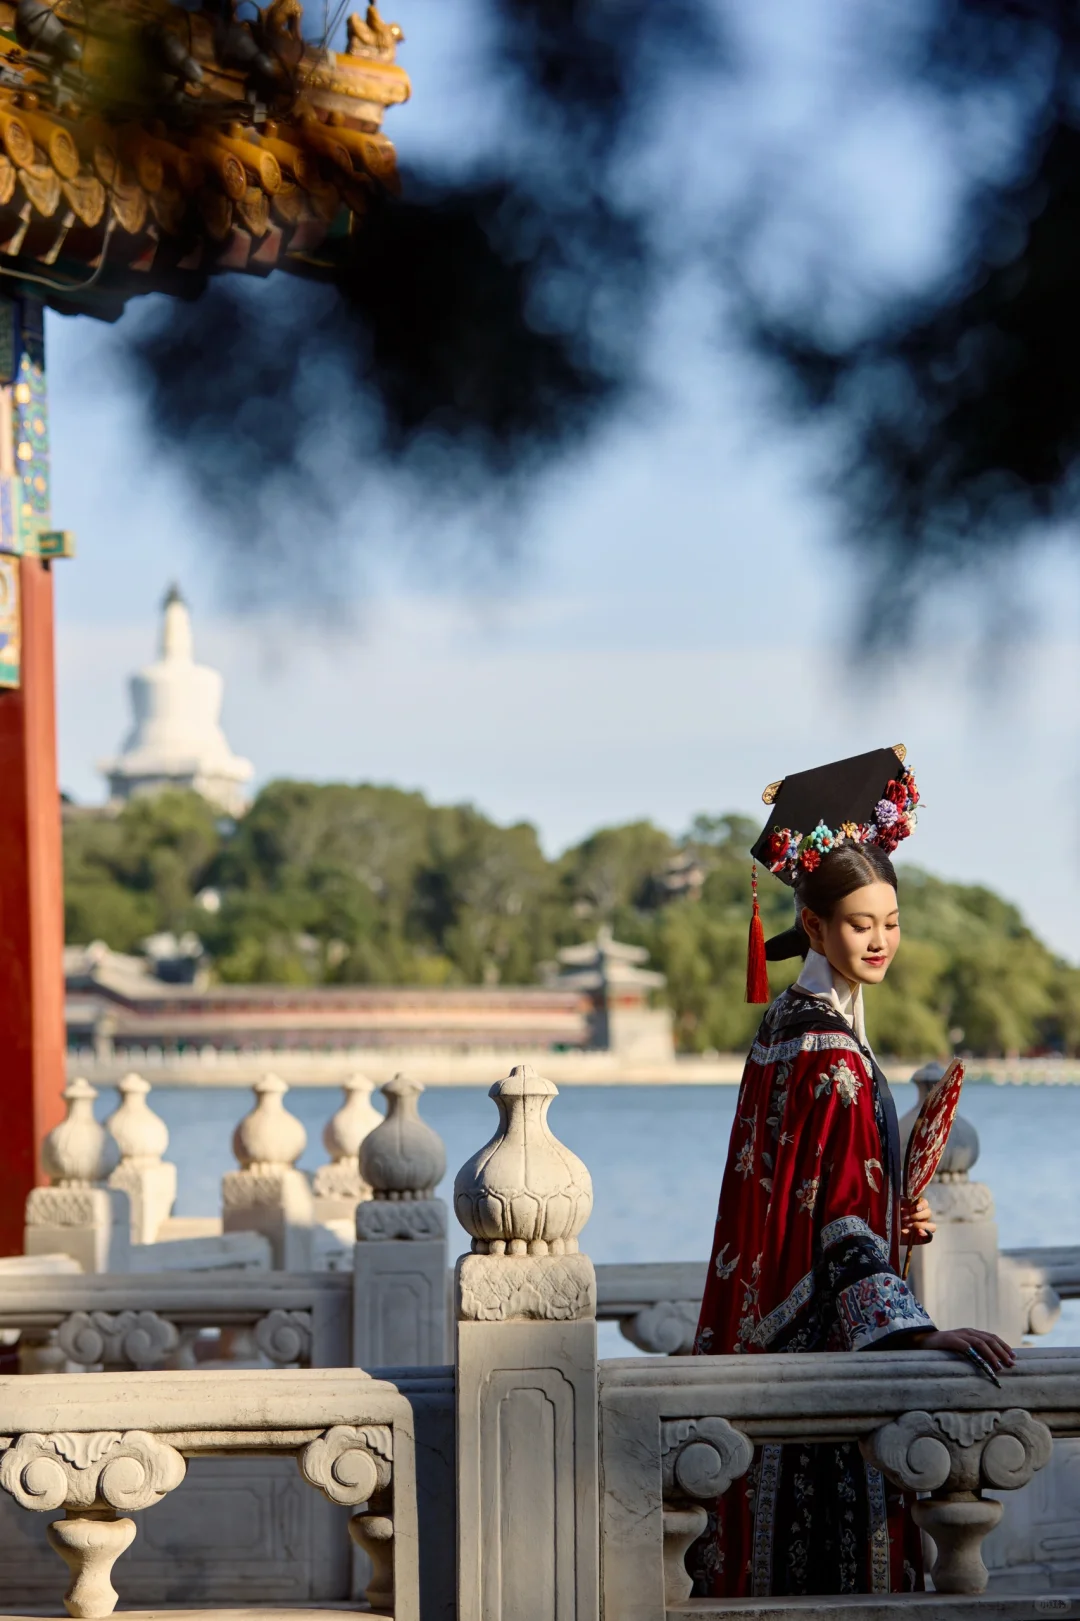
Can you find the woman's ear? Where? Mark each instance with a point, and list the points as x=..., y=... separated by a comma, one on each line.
x=811, y=927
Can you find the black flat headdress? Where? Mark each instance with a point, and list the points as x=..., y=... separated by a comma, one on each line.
x=866, y=799
x=845, y=791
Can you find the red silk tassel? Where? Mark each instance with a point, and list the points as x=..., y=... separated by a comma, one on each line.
x=757, y=976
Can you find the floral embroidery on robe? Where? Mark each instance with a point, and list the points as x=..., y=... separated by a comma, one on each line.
x=806, y=1258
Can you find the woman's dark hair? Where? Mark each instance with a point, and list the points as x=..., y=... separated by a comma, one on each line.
x=840, y=873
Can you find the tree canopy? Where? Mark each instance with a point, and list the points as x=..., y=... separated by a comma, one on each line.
x=329, y=883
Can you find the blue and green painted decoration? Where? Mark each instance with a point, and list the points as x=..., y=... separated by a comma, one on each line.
x=24, y=467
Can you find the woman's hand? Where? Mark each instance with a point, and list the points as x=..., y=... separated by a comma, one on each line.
x=960, y=1341
x=916, y=1227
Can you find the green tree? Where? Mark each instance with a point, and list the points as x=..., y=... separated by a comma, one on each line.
x=128, y=875
x=615, y=869
x=336, y=883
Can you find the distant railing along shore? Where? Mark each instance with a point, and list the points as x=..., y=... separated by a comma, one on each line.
x=450, y=1066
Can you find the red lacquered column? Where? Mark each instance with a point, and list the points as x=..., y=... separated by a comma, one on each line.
x=32, y=1034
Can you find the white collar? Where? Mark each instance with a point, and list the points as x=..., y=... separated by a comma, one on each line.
x=820, y=979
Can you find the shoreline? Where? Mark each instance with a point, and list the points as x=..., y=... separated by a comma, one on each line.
x=438, y=1068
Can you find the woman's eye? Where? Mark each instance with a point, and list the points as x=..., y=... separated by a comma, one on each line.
x=861, y=928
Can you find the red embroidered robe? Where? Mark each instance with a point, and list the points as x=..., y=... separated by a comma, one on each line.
x=805, y=1258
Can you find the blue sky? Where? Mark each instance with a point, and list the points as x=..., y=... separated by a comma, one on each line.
x=677, y=628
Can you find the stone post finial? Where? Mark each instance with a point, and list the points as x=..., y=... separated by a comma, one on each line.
x=77, y=1216
x=526, y=1345
x=524, y=1192
x=79, y=1152
x=142, y=1138
x=339, y=1187
x=357, y=1117
x=268, y=1195
x=402, y=1158
x=140, y=1134
x=399, y=1277
x=269, y=1138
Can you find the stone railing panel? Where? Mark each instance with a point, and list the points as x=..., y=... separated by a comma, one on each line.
x=144, y=1321
x=673, y=1430
x=351, y=1435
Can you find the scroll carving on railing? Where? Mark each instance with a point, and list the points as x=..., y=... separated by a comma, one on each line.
x=101, y=1469
x=953, y=1456
x=284, y=1337
x=135, y=1339
x=100, y=1474
x=352, y=1465
x=700, y=1459
x=666, y=1328
x=91, y=1475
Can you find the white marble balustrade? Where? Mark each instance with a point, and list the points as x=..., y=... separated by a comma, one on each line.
x=102, y=1449
x=148, y=1321
x=677, y=1432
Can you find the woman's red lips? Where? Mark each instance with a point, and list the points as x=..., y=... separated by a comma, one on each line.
x=875, y=962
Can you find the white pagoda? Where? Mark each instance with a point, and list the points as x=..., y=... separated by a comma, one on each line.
x=176, y=740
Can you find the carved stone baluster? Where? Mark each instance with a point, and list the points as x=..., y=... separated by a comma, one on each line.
x=700, y=1459
x=93, y=1476
x=352, y=1465
x=75, y=1215
x=269, y=1195
x=148, y=1180
x=953, y=1456
x=339, y=1186
x=527, y=1444
x=400, y=1262
x=374, y=1535
x=90, y=1541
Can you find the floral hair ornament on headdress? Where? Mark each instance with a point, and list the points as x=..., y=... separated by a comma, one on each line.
x=866, y=799
x=791, y=853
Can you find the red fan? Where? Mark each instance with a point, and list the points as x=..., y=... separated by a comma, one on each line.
x=929, y=1136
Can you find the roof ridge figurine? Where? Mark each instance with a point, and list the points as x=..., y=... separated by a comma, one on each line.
x=144, y=146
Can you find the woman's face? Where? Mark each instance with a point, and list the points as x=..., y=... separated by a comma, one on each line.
x=861, y=937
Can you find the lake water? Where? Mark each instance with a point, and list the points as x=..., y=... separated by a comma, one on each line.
x=656, y=1155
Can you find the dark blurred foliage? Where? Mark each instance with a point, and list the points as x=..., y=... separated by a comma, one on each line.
x=485, y=322
x=473, y=323
x=492, y=321
x=334, y=883
x=959, y=413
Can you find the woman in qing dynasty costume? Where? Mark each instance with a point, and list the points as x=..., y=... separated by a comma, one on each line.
x=806, y=1249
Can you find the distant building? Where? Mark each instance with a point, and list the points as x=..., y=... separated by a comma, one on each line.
x=159, y=1009
x=176, y=740
x=126, y=1007
x=619, y=990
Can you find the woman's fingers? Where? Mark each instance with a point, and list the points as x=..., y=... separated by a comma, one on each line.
x=994, y=1349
